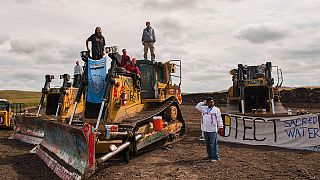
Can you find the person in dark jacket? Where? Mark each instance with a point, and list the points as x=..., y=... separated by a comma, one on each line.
x=148, y=40
x=97, y=44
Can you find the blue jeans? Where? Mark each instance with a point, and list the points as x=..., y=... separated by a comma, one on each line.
x=212, y=145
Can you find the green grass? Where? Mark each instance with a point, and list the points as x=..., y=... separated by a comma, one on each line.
x=29, y=98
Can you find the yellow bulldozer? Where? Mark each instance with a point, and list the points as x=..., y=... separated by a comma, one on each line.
x=6, y=120
x=8, y=112
x=123, y=113
x=55, y=104
x=253, y=90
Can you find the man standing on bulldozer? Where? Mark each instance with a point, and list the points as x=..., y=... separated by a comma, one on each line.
x=77, y=72
x=148, y=40
x=211, y=121
x=97, y=44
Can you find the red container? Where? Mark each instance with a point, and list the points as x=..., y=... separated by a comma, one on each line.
x=157, y=123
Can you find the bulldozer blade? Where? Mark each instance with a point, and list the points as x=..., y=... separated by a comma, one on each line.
x=67, y=150
x=29, y=129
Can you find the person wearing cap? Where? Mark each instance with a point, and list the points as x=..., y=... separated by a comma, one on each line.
x=125, y=59
x=77, y=73
x=148, y=40
x=97, y=44
x=211, y=123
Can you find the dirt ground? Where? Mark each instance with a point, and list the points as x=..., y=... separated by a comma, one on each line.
x=183, y=161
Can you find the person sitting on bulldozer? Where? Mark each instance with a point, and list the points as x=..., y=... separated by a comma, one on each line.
x=132, y=67
x=134, y=70
x=125, y=58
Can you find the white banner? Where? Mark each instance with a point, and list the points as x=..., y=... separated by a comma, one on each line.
x=294, y=132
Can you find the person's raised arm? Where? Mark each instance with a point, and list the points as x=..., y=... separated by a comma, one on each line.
x=199, y=106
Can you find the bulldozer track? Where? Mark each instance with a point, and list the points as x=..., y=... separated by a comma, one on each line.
x=146, y=115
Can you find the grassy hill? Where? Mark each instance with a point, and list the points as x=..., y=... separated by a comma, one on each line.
x=30, y=98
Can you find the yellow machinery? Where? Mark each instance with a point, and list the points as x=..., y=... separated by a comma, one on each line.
x=56, y=104
x=253, y=90
x=135, y=115
x=8, y=112
x=6, y=119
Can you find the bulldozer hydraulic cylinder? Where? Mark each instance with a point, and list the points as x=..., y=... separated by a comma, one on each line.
x=57, y=111
x=73, y=111
x=272, y=106
x=100, y=113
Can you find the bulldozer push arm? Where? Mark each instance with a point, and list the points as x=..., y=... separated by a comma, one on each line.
x=66, y=78
x=45, y=91
x=83, y=84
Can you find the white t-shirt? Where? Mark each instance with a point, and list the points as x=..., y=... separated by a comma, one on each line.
x=211, y=118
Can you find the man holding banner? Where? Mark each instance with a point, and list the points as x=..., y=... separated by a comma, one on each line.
x=211, y=121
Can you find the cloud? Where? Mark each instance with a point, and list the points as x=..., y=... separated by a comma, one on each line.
x=46, y=50
x=171, y=28
x=4, y=38
x=262, y=32
x=169, y=4
x=23, y=46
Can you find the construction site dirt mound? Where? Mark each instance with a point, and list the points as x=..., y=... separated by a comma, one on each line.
x=301, y=97
x=220, y=98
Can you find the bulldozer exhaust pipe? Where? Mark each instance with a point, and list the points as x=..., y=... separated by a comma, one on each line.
x=119, y=149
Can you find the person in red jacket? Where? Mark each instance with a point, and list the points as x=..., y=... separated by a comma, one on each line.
x=132, y=67
x=135, y=72
x=125, y=58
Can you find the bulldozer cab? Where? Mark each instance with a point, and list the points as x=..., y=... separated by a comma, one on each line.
x=4, y=105
x=160, y=81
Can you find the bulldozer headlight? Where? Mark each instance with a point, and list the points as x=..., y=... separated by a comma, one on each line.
x=112, y=49
x=84, y=54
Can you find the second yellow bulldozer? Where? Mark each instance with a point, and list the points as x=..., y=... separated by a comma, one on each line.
x=56, y=104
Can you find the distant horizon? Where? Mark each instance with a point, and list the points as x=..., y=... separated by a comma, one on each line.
x=225, y=90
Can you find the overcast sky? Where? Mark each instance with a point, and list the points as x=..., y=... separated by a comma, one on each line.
x=39, y=37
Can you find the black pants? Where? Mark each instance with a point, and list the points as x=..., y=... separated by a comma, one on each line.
x=96, y=55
